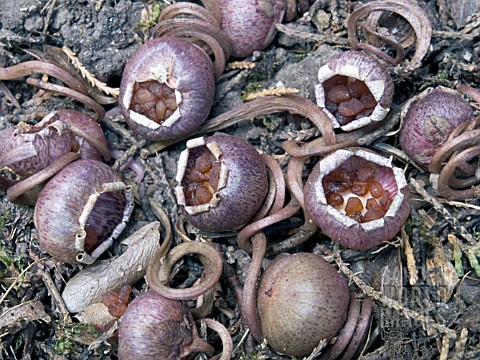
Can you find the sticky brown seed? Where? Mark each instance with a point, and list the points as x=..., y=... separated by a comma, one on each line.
x=366, y=198
x=348, y=98
x=201, y=177
x=154, y=100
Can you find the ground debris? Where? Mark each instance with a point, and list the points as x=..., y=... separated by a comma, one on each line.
x=15, y=318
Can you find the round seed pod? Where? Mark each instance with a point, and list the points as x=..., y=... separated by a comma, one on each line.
x=27, y=149
x=167, y=88
x=428, y=120
x=222, y=182
x=250, y=24
x=81, y=210
x=301, y=300
x=154, y=327
x=357, y=198
x=354, y=89
x=88, y=133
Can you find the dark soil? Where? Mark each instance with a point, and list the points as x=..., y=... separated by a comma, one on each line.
x=104, y=34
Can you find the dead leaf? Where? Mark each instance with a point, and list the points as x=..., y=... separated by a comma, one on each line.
x=88, y=285
x=95, y=314
x=461, y=9
x=14, y=319
x=441, y=271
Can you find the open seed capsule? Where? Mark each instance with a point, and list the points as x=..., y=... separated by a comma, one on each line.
x=167, y=88
x=354, y=89
x=357, y=198
x=81, y=210
x=222, y=182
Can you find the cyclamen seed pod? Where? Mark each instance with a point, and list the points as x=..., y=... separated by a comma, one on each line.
x=222, y=182
x=357, y=198
x=167, y=88
x=301, y=300
x=93, y=144
x=27, y=149
x=81, y=210
x=428, y=120
x=250, y=24
x=154, y=327
x=354, y=89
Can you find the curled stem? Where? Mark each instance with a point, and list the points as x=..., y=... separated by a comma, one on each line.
x=248, y=231
x=447, y=174
x=410, y=11
x=462, y=146
x=206, y=307
x=259, y=245
x=347, y=331
x=362, y=136
x=302, y=234
x=62, y=90
x=212, y=36
x=20, y=192
x=227, y=342
x=39, y=67
x=100, y=146
x=159, y=272
x=260, y=107
x=294, y=178
x=276, y=189
x=361, y=329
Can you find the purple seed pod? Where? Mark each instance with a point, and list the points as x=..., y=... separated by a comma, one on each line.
x=88, y=133
x=154, y=327
x=357, y=198
x=81, y=210
x=354, y=89
x=301, y=300
x=428, y=120
x=250, y=24
x=167, y=88
x=27, y=149
x=222, y=182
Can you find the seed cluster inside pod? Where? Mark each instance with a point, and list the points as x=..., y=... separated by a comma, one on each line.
x=200, y=181
x=360, y=189
x=348, y=98
x=154, y=100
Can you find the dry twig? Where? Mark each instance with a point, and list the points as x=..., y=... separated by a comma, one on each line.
x=427, y=322
x=88, y=75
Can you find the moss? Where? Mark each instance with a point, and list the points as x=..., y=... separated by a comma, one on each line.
x=251, y=88
x=154, y=11
x=66, y=335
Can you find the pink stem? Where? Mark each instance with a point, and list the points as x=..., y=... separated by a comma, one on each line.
x=132, y=164
x=259, y=242
x=62, y=90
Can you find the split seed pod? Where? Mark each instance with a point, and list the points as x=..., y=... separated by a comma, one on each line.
x=357, y=198
x=222, y=182
x=88, y=133
x=81, y=210
x=354, y=89
x=167, y=88
x=27, y=149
